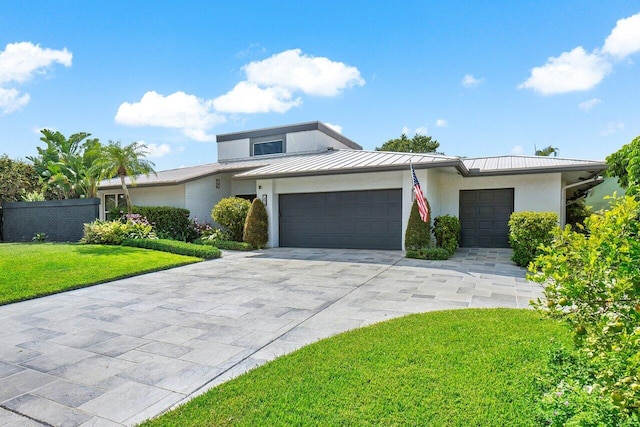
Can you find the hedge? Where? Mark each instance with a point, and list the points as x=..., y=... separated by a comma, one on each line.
x=446, y=228
x=225, y=244
x=175, y=247
x=168, y=222
x=529, y=230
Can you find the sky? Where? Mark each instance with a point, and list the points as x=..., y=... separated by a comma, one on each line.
x=484, y=78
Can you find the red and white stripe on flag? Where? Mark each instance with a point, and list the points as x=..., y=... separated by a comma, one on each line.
x=422, y=202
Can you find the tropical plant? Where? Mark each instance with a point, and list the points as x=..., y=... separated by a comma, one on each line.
x=446, y=228
x=417, y=144
x=16, y=179
x=124, y=162
x=256, y=226
x=418, y=232
x=231, y=213
x=625, y=164
x=547, y=151
x=527, y=231
x=592, y=282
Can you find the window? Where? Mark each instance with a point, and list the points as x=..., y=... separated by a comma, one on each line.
x=268, y=147
x=112, y=201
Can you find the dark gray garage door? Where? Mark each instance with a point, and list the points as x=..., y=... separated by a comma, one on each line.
x=484, y=217
x=347, y=219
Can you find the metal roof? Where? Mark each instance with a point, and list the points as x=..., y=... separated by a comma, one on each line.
x=509, y=165
x=350, y=161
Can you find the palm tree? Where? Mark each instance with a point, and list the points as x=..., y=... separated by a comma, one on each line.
x=125, y=161
x=547, y=151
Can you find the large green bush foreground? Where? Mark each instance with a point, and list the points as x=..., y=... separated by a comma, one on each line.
x=30, y=270
x=446, y=228
x=168, y=222
x=592, y=282
x=527, y=231
x=448, y=368
x=256, y=226
x=231, y=213
x=175, y=247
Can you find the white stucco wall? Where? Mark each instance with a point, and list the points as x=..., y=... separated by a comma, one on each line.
x=201, y=195
x=535, y=192
x=312, y=140
x=236, y=149
x=170, y=195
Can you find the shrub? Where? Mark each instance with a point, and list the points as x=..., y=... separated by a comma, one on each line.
x=231, y=213
x=114, y=232
x=577, y=212
x=174, y=247
x=168, y=222
x=418, y=233
x=429, y=253
x=447, y=231
x=592, y=282
x=224, y=244
x=256, y=227
x=527, y=231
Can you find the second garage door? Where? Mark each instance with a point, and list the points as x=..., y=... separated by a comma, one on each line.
x=484, y=217
x=346, y=219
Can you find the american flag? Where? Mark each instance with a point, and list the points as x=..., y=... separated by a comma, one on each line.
x=422, y=202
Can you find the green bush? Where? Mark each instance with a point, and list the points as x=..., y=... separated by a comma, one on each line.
x=175, y=247
x=114, y=232
x=168, y=222
x=256, y=227
x=231, y=213
x=224, y=244
x=429, y=253
x=527, y=231
x=592, y=282
x=418, y=233
x=447, y=231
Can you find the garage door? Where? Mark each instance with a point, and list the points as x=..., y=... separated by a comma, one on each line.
x=349, y=219
x=484, y=217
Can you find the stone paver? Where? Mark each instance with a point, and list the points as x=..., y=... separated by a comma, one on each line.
x=122, y=352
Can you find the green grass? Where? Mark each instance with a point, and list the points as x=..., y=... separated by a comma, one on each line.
x=30, y=270
x=449, y=368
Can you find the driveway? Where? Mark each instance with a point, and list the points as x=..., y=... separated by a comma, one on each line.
x=122, y=352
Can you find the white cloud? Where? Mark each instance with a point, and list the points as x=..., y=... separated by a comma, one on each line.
x=586, y=106
x=19, y=62
x=441, y=123
x=12, y=100
x=179, y=110
x=517, y=150
x=422, y=130
x=470, y=81
x=612, y=127
x=624, y=38
x=156, y=151
x=297, y=71
x=337, y=128
x=247, y=97
x=406, y=130
x=571, y=71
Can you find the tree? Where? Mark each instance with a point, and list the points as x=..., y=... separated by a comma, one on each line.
x=256, y=226
x=625, y=164
x=418, y=233
x=417, y=144
x=231, y=213
x=65, y=164
x=123, y=161
x=17, y=179
x=547, y=151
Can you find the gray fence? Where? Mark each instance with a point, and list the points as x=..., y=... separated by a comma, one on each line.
x=60, y=220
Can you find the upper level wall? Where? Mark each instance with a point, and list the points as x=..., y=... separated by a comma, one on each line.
x=237, y=149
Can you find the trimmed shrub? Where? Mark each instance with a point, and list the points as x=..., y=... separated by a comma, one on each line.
x=418, y=233
x=114, y=232
x=529, y=230
x=446, y=228
x=175, y=247
x=428, y=253
x=256, y=227
x=231, y=213
x=225, y=244
x=168, y=222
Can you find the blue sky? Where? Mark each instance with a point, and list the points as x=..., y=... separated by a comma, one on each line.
x=481, y=77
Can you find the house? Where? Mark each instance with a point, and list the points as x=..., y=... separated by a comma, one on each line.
x=322, y=189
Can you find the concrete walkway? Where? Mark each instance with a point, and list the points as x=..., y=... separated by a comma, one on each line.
x=119, y=353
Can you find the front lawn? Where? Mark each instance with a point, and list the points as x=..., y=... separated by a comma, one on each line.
x=29, y=270
x=451, y=368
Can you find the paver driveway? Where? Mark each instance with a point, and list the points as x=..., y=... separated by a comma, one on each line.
x=125, y=351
